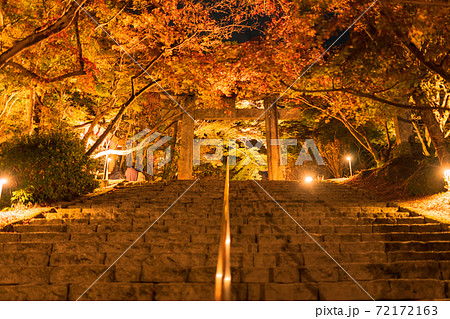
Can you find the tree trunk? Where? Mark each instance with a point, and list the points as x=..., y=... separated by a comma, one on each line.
x=361, y=139
x=422, y=141
x=91, y=128
x=437, y=137
x=173, y=162
x=30, y=111
x=109, y=128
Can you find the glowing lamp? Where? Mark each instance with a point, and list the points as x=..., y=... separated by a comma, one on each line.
x=446, y=174
x=2, y=182
x=349, y=159
x=447, y=177
x=308, y=179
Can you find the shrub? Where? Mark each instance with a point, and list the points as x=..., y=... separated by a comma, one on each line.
x=427, y=180
x=22, y=197
x=50, y=166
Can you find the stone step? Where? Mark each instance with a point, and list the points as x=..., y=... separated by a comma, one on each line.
x=427, y=289
x=404, y=232
x=418, y=246
x=412, y=289
x=24, y=259
x=34, y=292
x=40, y=275
x=393, y=254
x=54, y=221
x=279, y=259
x=343, y=229
x=388, y=237
x=113, y=291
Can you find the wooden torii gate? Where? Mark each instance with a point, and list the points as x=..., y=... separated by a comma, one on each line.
x=271, y=116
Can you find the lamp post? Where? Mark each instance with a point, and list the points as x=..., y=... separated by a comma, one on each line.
x=349, y=159
x=2, y=182
x=106, y=173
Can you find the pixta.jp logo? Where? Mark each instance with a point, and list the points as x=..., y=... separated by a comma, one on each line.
x=152, y=142
x=150, y=149
x=253, y=149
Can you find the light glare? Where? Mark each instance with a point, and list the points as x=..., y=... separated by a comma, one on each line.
x=308, y=179
x=447, y=177
x=447, y=174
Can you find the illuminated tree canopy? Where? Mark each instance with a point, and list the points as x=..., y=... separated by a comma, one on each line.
x=116, y=64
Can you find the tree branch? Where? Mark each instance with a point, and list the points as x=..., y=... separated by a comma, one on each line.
x=415, y=51
x=372, y=97
x=424, y=3
x=145, y=70
x=155, y=59
x=122, y=109
x=62, y=23
x=41, y=79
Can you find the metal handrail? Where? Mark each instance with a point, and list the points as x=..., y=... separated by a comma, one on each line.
x=223, y=273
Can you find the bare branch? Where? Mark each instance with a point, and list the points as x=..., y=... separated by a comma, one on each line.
x=424, y=3
x=372, y=97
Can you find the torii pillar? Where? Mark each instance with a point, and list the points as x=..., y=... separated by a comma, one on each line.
x=186, y=159
x=272, y=133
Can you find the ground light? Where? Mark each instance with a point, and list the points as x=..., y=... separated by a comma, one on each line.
x=447, y=177
x=349, y=159
x=2, y=182
x=308, y=179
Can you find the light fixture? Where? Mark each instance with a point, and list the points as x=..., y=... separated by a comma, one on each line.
x=447, y=177
x=349, y=159
x=308, y=179
x=2, y=182
x=106, y=168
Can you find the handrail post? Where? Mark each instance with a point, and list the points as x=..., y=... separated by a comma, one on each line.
x=223, y=273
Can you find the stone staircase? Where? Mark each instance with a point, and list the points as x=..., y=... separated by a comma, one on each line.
x=390, y=253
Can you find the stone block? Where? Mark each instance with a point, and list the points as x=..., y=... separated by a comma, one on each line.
x=10, y=275
x=114, y=292
x=407, y=289
x=64, y=259
x=126, y=272
x=286, y=275
x=184, y=291
x=24, y=259
x=298, y=291
x=33, y=292
x=155, y=274
x=79, y=274
x=255, y=275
